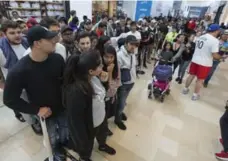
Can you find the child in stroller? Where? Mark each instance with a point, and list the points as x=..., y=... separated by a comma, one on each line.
x=162, y=74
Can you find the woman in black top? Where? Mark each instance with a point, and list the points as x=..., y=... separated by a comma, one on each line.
x=186, y=57
x=78, y=99
x=178, y=47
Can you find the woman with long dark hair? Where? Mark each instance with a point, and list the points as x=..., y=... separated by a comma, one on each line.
x=186, y=57
x=102, y=41
x=84, y=99
x=178, y=48
x=111, y=67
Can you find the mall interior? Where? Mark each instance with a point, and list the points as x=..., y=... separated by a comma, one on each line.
x=178, y=129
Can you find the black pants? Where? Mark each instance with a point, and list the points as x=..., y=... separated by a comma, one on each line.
x=110, y=107
x=224, y=130
x=175, y=65
x=142, y=53
x=17, y=114
x=101, y=136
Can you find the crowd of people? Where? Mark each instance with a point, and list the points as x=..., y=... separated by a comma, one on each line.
x=77, y=76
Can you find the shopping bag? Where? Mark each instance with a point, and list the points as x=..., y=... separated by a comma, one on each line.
x=46, y=140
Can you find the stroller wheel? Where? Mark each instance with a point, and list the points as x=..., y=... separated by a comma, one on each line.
x=162, y=98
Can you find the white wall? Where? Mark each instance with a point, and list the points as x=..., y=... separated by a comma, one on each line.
x=82, y=8
x=159, y=7
x=129, y=7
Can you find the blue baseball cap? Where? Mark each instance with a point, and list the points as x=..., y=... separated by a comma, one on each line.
x=213, y=27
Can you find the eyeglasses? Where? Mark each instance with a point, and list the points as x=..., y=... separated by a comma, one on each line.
x=67, y=33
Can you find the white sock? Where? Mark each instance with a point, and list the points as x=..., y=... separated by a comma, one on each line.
x=185, y=88
x=195, y=94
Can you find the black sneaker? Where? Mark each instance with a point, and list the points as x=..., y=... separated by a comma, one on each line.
x=37, y=129
x=180, y=81
x=124, y=117
x=109, y=132
x=205, y=85
x=85, y=159
x=145, y=66
x=140, y=72
x=177, y=79
x=20, y=117
x=121, y=125
x=107, y=149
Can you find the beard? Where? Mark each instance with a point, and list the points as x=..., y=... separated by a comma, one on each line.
x=15, y=42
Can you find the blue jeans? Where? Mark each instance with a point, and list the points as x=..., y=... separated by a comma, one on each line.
x=57, y=129
x=123, y=93
x=213, y=68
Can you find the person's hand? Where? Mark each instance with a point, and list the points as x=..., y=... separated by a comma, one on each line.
x=188, y=45
x=104, y=76
x=44, y=112
x=110, y=68
x=173, y=60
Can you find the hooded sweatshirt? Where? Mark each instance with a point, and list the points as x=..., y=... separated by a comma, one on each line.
x=124, y=60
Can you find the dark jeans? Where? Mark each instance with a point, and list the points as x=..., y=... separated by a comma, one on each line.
x=224, y=130
x=123, y=93
x=57, y=129
x=182, y=68
x=101, y=135
x=213, y=68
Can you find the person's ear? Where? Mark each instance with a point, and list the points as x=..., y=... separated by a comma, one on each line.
x=36, y=44
x=90, y=72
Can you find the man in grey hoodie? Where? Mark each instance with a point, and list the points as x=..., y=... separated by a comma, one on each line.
x=127, y=63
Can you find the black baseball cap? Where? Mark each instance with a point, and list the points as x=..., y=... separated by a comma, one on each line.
x=88, y=22
x=37, y=33
x=131, y=39
x=65, y=28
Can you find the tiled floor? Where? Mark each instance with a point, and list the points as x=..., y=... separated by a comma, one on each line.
x=176, y=130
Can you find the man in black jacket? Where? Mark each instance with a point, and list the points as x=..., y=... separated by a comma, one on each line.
x=40, y=75
x=121, y=27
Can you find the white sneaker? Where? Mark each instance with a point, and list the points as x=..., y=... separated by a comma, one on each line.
x=185, y=91
x=195, y=97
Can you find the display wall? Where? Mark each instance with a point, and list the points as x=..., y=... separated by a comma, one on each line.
x=82, y=8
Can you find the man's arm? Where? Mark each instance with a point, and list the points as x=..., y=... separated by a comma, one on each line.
x=12, y=94
x=215, y=51
x=2, y=58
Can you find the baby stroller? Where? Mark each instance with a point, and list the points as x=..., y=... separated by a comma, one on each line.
x=161, y=77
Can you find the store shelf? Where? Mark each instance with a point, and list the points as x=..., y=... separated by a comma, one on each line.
x=45, y=8
x=56, y=10
x=58, y=3
x=25, y=9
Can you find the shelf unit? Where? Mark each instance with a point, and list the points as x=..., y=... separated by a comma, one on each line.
x=37, y=9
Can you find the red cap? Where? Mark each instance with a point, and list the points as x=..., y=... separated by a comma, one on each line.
x=31, y=22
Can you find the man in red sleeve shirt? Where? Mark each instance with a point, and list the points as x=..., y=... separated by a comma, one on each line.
x=101, y=29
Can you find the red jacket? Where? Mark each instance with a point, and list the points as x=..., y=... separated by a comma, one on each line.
x=99, y=33
x=191, y=25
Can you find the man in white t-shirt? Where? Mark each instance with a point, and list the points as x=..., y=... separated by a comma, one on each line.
x=137, y=34
x=134, y=31
x=207, y=48
x=12, y=48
